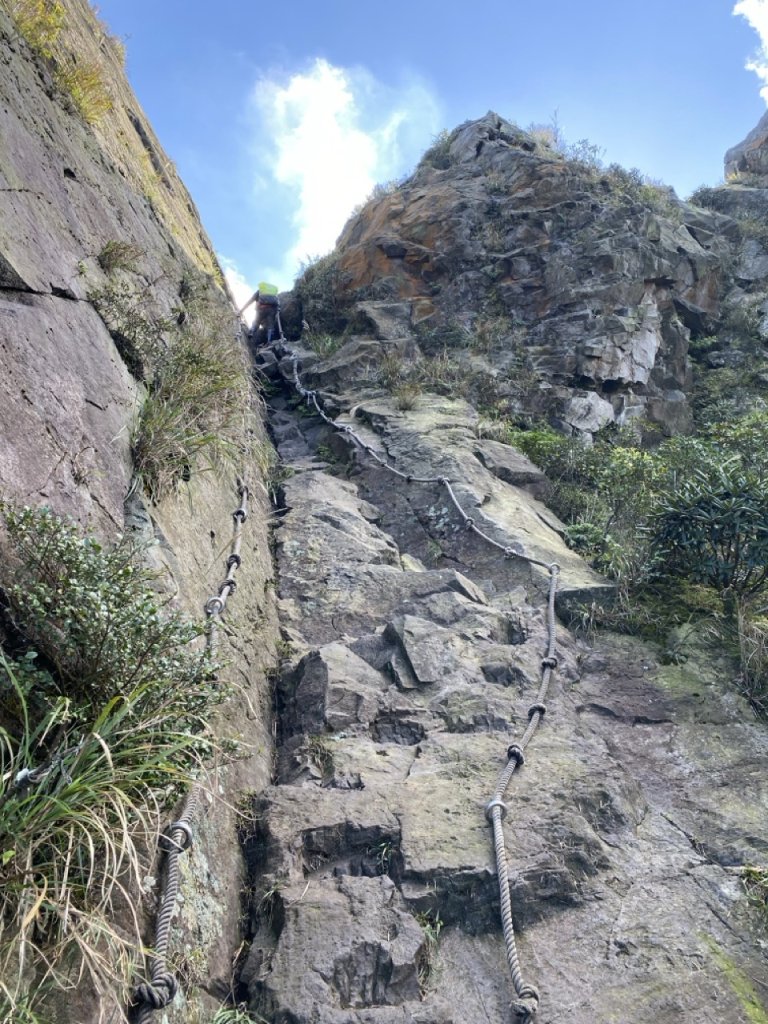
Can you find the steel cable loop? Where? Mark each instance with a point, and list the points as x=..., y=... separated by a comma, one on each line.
x=177, y=837
x=525, y=1006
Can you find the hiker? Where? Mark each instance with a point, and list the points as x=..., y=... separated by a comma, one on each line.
x=267, y=310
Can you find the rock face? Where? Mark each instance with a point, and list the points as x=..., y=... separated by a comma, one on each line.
x=599, y=279
x=68, y=405
x=415, y=652
x=751, y=155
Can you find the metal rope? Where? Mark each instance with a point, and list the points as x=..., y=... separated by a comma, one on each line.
x=525, y=1006
x=177, y=837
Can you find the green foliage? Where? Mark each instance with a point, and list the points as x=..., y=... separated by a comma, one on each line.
x=323, y=344
x=40, y=22
x=197, y=411
x=431, y=925
x=237, y=1015
x=137, y=330
x=702, y=196
x=755, y=882
x=752, y=634
x=714, y=527
x=107, y=702
x=119, y=255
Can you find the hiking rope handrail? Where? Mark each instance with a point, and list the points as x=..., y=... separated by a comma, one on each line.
x=526, y=1003
x=177, y=837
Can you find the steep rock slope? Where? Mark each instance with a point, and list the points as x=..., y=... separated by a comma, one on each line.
x=68, y=408
x=415, y=653
x=413, y=647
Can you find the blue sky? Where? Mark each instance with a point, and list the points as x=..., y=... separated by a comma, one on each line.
x=281, y=118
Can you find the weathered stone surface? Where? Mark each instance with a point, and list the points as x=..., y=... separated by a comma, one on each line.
x=68, y=406
x=591, y=273
x=623, y=830
x=751, y=155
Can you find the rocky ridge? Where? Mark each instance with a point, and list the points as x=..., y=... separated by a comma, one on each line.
x=600, y=280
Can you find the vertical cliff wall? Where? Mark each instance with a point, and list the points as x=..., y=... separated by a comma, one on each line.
x=69, y=193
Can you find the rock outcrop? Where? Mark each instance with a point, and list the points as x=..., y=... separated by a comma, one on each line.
x=414, y=655
x=599, y=278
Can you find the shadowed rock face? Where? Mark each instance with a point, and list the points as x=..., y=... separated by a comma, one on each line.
x=603, y=281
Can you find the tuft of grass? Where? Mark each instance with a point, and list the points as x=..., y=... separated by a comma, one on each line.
x=755, y=882
x=198, y=411
x=323, y=344
x=438, y=155
x=105, y=703
x=119, y=255
x=85, y=82
x=431, y=925
x=752, y=630
x=40, y=22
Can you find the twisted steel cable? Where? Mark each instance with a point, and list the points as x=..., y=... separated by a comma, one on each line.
x=160, y=990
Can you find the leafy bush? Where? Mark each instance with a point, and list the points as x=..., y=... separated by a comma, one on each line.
x=714, y=528
x=318, y=289
x=104, y=714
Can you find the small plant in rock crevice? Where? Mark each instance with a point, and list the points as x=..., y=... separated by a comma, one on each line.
x=105, y=704
x=118, y=254
x=40, y=22
x=431, y=925
x=86, y=83
x=755, y=882
x=198, y=413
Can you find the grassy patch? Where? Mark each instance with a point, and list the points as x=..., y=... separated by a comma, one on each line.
x=198, y=410
x=431, y=925
x=40, y=22
x=86, y=84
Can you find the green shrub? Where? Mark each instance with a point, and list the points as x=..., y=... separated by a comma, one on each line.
x=323, y=344
x=106, y=702
x=319, y=291
x=119, y=255
x=438, y=154
x=714, y=528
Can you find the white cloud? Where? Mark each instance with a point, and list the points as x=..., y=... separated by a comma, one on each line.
x=328, y=135
x=241, y=290
x=756, y=13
